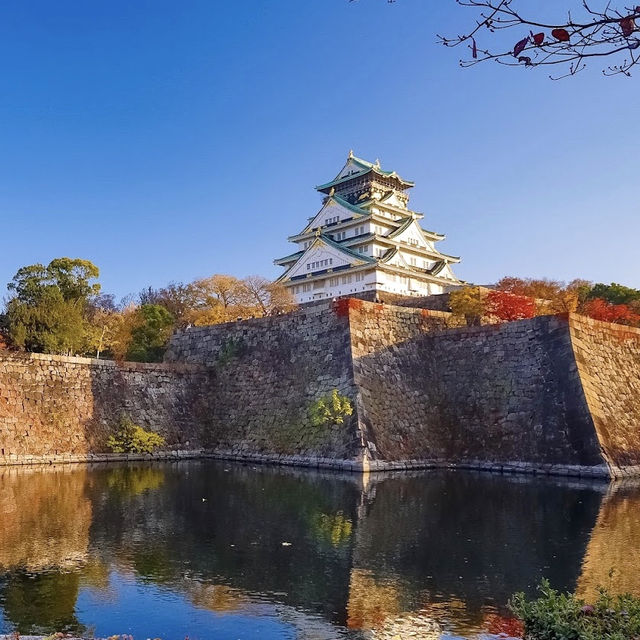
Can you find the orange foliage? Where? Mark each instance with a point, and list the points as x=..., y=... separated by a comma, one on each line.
x=508, y=306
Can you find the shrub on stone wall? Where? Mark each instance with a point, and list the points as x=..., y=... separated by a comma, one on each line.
x=230, y=349
x=330, y=409
x=132, y=438
x=559, y=616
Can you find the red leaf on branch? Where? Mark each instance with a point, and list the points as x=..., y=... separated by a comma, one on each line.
x=538, y=39
x=520, y=46
x=628, y=26
x=561, y=34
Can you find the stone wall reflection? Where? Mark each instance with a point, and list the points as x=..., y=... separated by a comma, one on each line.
x=452, y=549
x=611, y=558
x=45, y=519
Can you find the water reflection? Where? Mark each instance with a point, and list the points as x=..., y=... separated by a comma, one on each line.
x=212, y=550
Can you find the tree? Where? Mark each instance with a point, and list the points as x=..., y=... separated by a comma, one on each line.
x=150, y=334
x=614, y=293
x=71, y=276
x=469, y=303
x=565, y=37
x=267, y=297
x=600, y=309
x=52, y=325
x=551, y=296
x=177, y=298
x=228, y=291
x=508, y=306
x=47, y=311
x=119, y=335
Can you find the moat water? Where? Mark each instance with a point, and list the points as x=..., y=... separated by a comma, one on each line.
x=217, y=551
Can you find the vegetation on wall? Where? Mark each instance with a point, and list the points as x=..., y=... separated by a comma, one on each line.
x=330, y=409
x=230, y=349
x=558, y=616
x=132, y=438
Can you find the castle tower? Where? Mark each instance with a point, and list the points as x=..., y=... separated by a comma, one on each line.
x=365, y=240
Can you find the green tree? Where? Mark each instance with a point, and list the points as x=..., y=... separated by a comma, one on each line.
x=149, y=337
x=614, y=293
x=47, y=312
x=71, y=276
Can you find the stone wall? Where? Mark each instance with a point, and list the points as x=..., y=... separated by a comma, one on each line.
x=52, y=407
x=268, y=372
x=497, y=394
x=608, y=360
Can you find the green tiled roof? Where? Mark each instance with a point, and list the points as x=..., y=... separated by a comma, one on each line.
x=366, y=167
x=337, y=245
x=402, y=228
x=347, y=205
x=289, y=258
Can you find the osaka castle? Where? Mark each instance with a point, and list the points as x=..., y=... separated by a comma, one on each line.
x=365, y=241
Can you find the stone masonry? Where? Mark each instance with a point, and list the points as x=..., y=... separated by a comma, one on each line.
x=56, y=408
x=555, y=394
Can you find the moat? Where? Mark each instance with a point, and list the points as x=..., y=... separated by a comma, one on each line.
x=217, y=551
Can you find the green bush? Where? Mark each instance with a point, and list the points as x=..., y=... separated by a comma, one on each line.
x=558, y=616
x=132, y=438
x=330, y=409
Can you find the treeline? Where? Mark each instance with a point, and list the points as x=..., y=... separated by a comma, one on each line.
x=60, y=309
x=518, y=298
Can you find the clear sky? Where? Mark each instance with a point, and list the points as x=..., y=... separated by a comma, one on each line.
x=168, y=140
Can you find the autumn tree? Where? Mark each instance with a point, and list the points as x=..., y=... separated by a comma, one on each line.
x=267, y=297
x=600, y=309
x=177, y=298
x=551, y=296
x=562, y=35
x=507, y=307
x=469, y=303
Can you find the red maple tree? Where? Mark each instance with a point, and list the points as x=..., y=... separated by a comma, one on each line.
x=600, y=309
x=508, y=306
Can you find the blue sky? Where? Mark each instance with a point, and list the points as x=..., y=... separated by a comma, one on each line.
x=168, y=140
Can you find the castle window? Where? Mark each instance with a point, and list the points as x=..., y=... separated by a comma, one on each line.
x=334, y=282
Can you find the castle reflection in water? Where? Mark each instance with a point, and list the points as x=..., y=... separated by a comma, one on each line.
x=312, y=555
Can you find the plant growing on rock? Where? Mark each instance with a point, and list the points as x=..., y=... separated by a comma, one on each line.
x=559, y=616
x=330, y=409
x=132, y=438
